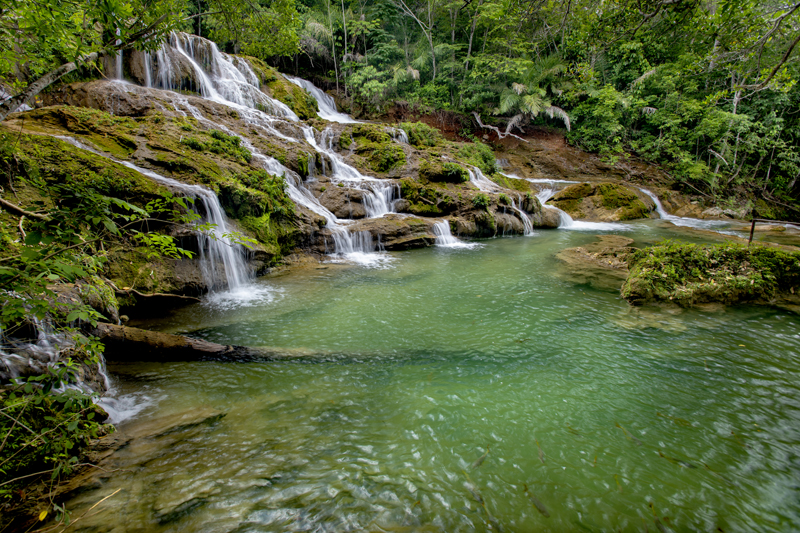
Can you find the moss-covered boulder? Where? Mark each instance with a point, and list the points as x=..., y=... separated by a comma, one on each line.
x=603, y=202
x=375, y=147
x=440, y=171
x=420, y=135
x=298, y=99
x=689, y=274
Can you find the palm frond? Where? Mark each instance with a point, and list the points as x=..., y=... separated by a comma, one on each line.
x=509, y=101
x=532, y=104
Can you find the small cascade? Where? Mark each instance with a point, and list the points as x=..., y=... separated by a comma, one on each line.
x=398, y=135
x=380, y=198
x=327, y=106
x=445, y=238
x=566, y=222
x=35, y=356
x=217, y=251
x=685, y=221
x=118, y=66
x=526, y=220
x=662, y=213
x=477, y=178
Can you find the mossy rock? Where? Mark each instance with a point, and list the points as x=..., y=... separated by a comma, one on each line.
x=57, y=162
x=689, y=274
x=110, y=133
x=298, y=99
x=421, y=135
x=448, y=172
x=574, y=192
x=376, y=147
x=602, y=202
x=277, y=237
x=479, y=155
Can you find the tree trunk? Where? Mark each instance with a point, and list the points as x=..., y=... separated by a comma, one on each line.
x=127, y=344
x=471, y=36
x=12, y=104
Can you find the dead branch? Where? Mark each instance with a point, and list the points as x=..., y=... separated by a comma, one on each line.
x=17, y=210
x=500, y=134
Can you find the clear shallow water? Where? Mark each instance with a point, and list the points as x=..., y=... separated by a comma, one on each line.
x=414, y=369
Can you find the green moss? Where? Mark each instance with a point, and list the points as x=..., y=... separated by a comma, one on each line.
x=345, y=141
x=52, y=161
x=376, y=147
x=277, y=237
x=615, y=196
x=371, y=132
x=421, y=135
x=481, y=201
x=575, y=192
x=480, y=155
x=511, y=183
x=728, y=273
x=302, y=164
x=449, y=172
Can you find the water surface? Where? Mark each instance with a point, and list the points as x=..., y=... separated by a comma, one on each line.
x=612, y=417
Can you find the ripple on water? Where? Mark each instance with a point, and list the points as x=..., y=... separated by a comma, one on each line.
x=414, y=371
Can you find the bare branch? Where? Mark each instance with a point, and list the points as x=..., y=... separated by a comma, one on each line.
x=500, y=134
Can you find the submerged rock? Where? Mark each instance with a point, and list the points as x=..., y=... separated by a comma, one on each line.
x=601, y=264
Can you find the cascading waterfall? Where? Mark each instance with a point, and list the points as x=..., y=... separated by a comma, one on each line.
x=231, y=82
x=217, y=251
x=526, y=220
x=566, y=222
x=683, y=221
x=327, y=106
x=445, y=238
x=215, y=75
x=380, y=196
x=484, y=184
x=399, y=135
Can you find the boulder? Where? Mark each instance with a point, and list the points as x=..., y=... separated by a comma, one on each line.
x=603, y=202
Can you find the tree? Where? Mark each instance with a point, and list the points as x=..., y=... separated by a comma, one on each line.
x=45, y=40
x=261, y=28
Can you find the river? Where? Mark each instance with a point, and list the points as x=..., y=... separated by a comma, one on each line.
x=611, y=417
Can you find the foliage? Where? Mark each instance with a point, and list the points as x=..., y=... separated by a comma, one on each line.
x=262, y=29
x=481, y=201
x=45, y=427
x=421, y=135
x=688, y=274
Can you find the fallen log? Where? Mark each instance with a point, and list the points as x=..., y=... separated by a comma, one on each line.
x=128, y=344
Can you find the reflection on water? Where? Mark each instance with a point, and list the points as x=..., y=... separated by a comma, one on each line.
x=602, y=417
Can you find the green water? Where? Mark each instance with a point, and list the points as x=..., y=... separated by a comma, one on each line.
x=413, y=370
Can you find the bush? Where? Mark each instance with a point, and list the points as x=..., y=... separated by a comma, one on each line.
x=481, y=201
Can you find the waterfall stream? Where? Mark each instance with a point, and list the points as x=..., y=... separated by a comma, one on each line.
x=327, y=106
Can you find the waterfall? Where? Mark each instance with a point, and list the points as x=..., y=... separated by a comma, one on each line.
x=118, y=65
x=685, y=221
x=446, y=239
x=399, y=135
x=215, y=75
x=526, y=220
x=188, y=62
x=477, y=178
x=327, y=106
x=217, y=251
x=566, y=222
